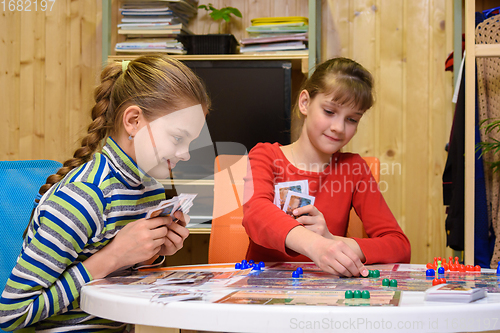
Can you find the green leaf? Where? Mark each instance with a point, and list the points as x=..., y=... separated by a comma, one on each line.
x=216, y=15
x=203, y=7
x=233, y=11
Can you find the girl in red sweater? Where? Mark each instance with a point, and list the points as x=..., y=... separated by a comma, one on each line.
x=331, y=104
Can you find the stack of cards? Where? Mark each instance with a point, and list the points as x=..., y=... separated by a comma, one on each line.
x=454, y=293
x=182, y=202
x=292, y=195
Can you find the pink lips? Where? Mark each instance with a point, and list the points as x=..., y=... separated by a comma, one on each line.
x=170, y=164
x=332, y=138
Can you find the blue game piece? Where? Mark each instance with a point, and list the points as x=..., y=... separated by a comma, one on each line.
x=237, y=266
x=244, y=262
x=300, y=270
x=498, y=269
x=430, y=272
x=251, y=262
x=295, y=274
x=262, y=264
x=256, y=268
x=441, y=270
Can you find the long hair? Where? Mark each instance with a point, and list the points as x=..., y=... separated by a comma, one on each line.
x=349, y=83
x=156, y=83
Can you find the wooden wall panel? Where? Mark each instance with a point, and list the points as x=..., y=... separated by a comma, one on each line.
x=404, y=44
x=50, y=62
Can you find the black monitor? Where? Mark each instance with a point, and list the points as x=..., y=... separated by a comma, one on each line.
x=251, y=103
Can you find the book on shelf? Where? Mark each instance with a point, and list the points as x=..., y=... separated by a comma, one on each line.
x=270, y=38
x=161, y=19
x=279, y=20
x=276, y=34
x=450, y=292
x=274, y=47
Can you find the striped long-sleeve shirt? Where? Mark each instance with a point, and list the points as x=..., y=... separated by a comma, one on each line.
x=76, y=218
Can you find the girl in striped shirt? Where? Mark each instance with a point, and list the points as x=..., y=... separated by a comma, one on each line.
x=89, y=221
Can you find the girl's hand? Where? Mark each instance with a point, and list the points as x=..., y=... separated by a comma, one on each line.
x=138, y=241
x=336, y=257
x=177, y=233
x=314, y=221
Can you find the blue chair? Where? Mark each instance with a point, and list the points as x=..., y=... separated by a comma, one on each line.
x=19, y=185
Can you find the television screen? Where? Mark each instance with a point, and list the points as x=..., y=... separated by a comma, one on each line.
x=251, y=103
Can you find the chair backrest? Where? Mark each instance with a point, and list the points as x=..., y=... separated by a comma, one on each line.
x=19, y=185
x=228, y=238
x=355, y=227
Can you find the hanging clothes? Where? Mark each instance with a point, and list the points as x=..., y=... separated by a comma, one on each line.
x=488, y=101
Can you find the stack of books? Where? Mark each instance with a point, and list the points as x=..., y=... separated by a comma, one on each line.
x=276, y=34
x=153, y=26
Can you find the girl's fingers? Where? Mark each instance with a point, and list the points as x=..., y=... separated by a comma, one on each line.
x=183, y=232
x=309, y=210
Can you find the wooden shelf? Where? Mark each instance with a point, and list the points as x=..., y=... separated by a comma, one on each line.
x=300, y=61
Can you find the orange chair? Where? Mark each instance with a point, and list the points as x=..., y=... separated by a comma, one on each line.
x=228, y=239
x=355, y=227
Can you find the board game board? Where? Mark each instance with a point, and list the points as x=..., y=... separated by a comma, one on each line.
x=309, y=297
x=279, y=277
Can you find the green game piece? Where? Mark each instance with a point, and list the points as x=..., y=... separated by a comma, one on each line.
x=385, y=282
x=348, y=294
x=370, y=273
x=393, y=283
x=365, y=294
x=357, y=294
x=439, y=264
x=376, y=273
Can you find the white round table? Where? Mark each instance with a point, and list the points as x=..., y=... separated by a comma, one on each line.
x=412, y=315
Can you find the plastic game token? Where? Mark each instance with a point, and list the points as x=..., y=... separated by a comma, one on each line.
x=365, y=294
x=477, y=268
x=300, y=270
x=251, y=262
x=393, y=283
x=262, y=264
x=237, y=266
x=441, y=270
x=349, y=294
x=498, y=269
x=435, y=282
x=295, y=274
x=376, y=273
x=357, y=294
x=442, y=280
x=385, y=282
x=429, y=272
x=256, y=268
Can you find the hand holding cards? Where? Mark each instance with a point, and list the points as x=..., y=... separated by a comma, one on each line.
x=182, y=202
x=289, y=196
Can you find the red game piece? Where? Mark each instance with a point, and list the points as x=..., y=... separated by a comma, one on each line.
x=453, y=268
x=461, y=268
x=429, y=266
x=477, y=268
x=469, y=268
x=450, y=260
x=439, y=259
x=442, y=280
x=435, y=282
x=446, y=267
x=456, y=261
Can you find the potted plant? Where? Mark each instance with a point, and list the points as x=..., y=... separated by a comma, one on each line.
x=220, y=43
x=489, y=126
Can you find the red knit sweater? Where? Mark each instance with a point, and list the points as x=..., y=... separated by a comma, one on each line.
x=347, y=182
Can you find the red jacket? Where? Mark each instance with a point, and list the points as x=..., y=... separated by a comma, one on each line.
x=347, y=182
